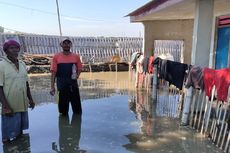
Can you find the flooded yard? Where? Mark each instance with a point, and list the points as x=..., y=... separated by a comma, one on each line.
x=116, y=118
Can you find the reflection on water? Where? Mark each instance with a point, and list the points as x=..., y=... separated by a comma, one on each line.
x=140, y=104
x=168, y=105
x=106, y=85
x=42, y=96
x=21, y=145
x=116, y=118
x=105, y=80
x=69, y=135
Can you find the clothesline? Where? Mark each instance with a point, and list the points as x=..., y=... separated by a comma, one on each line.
x=197, y=77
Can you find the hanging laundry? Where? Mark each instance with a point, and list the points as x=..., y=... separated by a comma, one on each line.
x=195, y=78
x=150, y=65
x=220, y=78
x=139, y=64
x=158, y=62
x=145, y=64
x=134, y=58
x=175, y=73
x=139, y=72
x=209, y=80
x=166, y=56
x=162, y=69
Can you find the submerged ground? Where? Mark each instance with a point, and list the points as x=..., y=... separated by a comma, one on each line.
x=116, y=118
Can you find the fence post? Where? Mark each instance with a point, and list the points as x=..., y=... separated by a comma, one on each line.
x=186, y=108
x=154, y=90
x=90, y=68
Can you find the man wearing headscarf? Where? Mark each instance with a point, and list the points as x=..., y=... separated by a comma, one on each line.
x=15, y=93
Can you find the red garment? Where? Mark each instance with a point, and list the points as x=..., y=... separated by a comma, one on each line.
x=150, y=65
x=219, y=78
x=209, y=75
x=60, y=58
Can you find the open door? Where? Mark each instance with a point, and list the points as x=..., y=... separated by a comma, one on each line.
x=229, y=54
x=222, y=50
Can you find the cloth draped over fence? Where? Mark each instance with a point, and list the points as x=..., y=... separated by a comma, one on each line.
x=143, y=69
x=197, y=77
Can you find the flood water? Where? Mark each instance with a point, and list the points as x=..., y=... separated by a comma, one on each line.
x=116, y=118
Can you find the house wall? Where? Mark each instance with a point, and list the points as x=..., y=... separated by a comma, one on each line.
x=169, y=30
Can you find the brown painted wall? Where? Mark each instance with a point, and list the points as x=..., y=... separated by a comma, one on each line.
x=169, y=30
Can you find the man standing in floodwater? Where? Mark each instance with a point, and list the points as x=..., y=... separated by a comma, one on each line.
x=15, y=93
x=65, y=70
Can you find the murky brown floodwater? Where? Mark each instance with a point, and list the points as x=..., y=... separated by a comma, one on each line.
x=116, y=119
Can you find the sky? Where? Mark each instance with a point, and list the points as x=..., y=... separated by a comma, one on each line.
x=78, y=17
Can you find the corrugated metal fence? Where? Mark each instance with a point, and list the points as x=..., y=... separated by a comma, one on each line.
x=94, y=49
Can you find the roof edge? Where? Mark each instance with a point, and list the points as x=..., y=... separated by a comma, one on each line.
x=151, y=7
x=146, y=7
